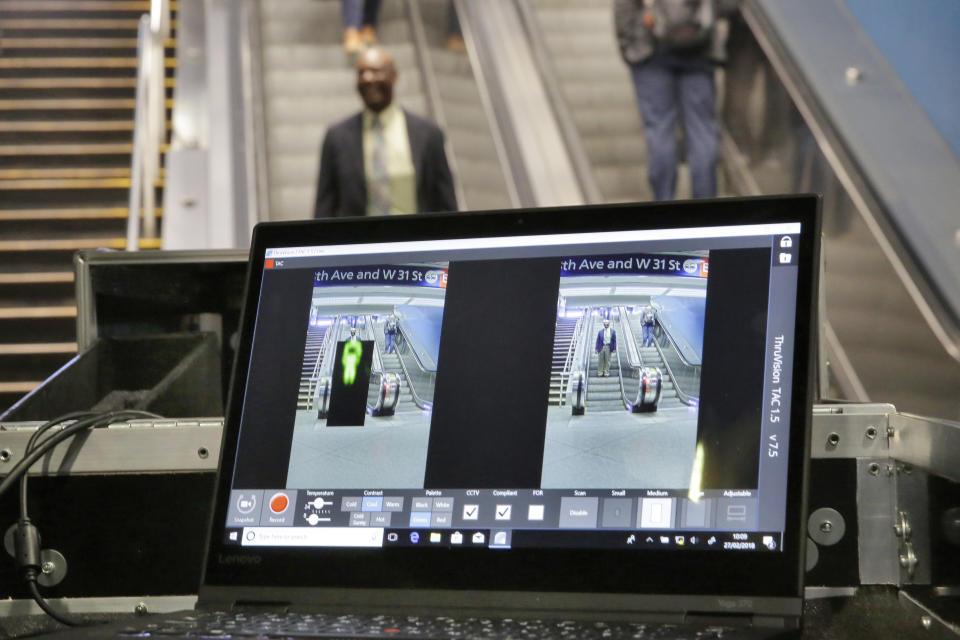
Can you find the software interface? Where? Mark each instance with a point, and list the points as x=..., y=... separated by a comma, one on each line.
x=625, y=389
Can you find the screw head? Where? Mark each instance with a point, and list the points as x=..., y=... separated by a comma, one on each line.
x=927, y=622
x=826, y=526
x=48, y=567
x=141, y=609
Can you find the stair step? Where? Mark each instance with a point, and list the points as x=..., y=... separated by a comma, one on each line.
x=66, y=183
x=73, y=173
x=38, y=126
x=91, y=104
x=44, y=277
x=75, y=63
x=75, y=43
x=33, y=312
x=74, y=83
x=76, y=24
x=79, y=5
x=103, y=149
x=74, y=244
x=37, y=348
x=66, y=214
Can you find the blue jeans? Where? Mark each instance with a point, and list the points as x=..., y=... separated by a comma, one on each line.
x=647, y=335
x=357, y=13
x=389, y=343
x=660, y=88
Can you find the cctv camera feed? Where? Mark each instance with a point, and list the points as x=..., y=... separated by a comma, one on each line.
x=373, y=335
x=521, y=389
x=625, y=380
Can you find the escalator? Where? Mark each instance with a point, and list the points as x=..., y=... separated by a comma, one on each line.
x=680, y=384
x=309, y=83
x=392, y=364
x=890, y=328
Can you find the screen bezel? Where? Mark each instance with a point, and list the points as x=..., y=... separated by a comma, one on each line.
x=628, y=571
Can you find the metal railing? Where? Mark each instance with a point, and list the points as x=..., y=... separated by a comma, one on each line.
x=565, y=374
x=684, y=374
x=417, y=374
x=149, y=129
x=432, y=92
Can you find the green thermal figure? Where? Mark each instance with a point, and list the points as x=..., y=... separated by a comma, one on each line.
x=352, y=353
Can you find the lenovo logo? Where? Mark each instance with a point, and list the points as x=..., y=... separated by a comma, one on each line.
x=234, y=559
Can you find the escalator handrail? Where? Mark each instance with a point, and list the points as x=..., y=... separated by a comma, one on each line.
x=673, y=342
x=634, y=358
x=486, y=100
x=417, y=400
x=568, y=129
x=432, y=92
x=685, y=397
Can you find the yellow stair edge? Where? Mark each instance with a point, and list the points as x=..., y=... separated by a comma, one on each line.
x=66, y=149
x=66, y=183
x=47, y=126
x=15, y=313
x=37, y=348
x=75, y=24
x=78, y=5
x=68, y=214
x=75, y=244
x=42, y=277
x=74, y=83
x=75, y=63
x=70, y=172
x=87, y=104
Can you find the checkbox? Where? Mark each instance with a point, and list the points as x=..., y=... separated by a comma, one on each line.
x=535, y=512
x=503, y=511
x=471, y=511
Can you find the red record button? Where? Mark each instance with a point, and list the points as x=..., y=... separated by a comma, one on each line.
x=279, y=503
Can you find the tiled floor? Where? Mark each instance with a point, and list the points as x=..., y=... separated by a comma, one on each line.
x=599, y=450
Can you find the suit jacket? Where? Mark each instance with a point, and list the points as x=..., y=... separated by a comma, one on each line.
x=613, y=340
x=342, y=185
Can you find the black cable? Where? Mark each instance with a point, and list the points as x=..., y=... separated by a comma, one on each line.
x=47, y=609
x=27, y=537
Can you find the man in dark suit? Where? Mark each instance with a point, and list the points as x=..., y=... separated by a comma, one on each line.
x=384, y=160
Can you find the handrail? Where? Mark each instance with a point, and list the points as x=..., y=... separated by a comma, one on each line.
x=675, y=344
x=565, y=373
x=685, y=397
x=633, y=354
x=558, y=102
x=486, y=100
x=417, y=400
x=149, y=131
x=258, y=201
x=432, y=92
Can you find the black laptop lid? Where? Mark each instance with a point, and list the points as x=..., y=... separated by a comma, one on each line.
x=510, y=463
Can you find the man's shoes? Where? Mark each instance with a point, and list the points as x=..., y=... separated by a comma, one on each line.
x=352, y=42
x=368, y=35
x=456, y=44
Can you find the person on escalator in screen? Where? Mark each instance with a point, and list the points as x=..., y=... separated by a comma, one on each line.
x=390, y=329
x=353, y=334
x=606, y=344
x=647, y=320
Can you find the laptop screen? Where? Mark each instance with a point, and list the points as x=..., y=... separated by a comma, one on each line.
x=623, y=389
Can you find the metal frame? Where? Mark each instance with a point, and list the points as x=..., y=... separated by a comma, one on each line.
x=850, y=175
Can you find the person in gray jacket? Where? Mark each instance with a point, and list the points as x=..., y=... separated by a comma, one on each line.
x=672, y=48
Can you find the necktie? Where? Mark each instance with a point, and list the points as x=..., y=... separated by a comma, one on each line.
x=380, y=180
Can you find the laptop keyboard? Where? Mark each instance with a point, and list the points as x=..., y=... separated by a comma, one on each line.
x=222, y=626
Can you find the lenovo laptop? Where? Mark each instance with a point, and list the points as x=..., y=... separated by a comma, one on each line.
x=586, y=421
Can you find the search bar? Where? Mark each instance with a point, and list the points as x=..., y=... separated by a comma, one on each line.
x=312, y=537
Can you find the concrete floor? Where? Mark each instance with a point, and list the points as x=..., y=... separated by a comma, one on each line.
x=600, y=450
x=619, y=450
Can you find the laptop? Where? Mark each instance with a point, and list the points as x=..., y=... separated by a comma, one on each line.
x=582, y=422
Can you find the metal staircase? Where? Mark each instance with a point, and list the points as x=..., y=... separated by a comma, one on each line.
x=562, y=340
x=311, y=353
x=67, y=97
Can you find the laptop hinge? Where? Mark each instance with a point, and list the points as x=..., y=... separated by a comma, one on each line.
x=262, y=606
x=740, y=619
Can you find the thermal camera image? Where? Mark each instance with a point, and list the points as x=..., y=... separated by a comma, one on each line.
x=367, y=380
x=624, y=402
